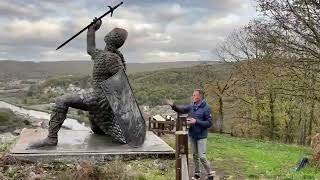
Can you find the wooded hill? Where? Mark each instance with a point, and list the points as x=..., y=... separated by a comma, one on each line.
x=39, y=70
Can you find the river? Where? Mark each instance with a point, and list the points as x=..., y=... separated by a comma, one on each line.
x=68, y=123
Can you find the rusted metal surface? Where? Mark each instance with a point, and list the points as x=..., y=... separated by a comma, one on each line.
x=84, y=143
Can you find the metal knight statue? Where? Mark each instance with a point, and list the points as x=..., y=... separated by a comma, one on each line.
x=107, y=63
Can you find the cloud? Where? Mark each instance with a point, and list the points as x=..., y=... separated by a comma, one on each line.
x=15, y=9
x=158, y=30
x=172, y=56
x=35, y=33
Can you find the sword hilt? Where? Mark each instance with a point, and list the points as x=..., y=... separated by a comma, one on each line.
x=111, y=10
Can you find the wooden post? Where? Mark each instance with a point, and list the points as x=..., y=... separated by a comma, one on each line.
x=181, y=121
x=181, y=149
x=156, y=126
x=149, y=123
x=177, y=122
x=162, y=128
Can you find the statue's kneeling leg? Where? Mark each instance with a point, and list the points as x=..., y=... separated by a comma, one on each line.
x=112, y=128
x=58, y=115
x=95, y=128
x=103, y=120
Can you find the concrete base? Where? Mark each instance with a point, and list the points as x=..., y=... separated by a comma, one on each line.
x=83, y=145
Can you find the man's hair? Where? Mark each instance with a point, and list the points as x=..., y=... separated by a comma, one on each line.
x=201, y=92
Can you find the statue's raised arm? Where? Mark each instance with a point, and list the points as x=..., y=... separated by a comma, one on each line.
x=91, y=39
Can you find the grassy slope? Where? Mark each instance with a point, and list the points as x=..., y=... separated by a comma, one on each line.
x=256, y=159
x=239, y=158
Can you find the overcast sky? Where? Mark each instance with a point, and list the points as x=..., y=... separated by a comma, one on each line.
x=158, y=30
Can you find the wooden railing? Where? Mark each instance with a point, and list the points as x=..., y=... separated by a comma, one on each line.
x=170, y=127
x=182, y=170
x=179, y=128
x=161, y=127
x=184, y=167
x=181, y=155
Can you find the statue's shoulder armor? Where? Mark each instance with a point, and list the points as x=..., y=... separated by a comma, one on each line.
x=96, y=53
x=110, y=60
x=113, y=62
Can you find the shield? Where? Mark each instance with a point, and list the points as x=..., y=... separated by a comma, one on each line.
x=119, y=93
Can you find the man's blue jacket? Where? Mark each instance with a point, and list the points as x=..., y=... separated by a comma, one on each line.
x=202, y=114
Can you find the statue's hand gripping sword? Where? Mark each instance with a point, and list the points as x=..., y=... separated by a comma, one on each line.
x=110, y=11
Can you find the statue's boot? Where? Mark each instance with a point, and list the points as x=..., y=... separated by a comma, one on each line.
x=57, y=117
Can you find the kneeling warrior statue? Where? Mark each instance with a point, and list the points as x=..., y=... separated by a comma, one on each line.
x=107, y=62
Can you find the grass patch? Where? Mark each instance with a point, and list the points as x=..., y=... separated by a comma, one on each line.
x=169, y=139
x=140, y=170
x=116, y=170
x=5, y=147
x=240, y=158
x=10, y=121
x=254, y=159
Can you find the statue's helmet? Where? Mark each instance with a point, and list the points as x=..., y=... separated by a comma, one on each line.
x=116, y=37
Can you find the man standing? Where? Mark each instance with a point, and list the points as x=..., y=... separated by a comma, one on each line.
x=199, y=122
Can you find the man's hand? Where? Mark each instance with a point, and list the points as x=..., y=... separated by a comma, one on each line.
x=168, y=102
x=191, y=120
x=96, y=25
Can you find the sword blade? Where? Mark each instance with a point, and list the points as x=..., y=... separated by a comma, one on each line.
x=110, y=11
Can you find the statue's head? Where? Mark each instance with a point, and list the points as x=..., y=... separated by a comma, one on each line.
x=116, y=37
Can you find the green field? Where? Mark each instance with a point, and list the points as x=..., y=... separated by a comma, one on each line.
x=239, y=158
x=254, y=159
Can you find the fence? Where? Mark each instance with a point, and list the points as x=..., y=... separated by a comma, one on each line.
x=179, y=128
x=182, y=170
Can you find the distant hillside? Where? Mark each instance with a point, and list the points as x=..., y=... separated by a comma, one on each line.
x=177, y=83
x=150, y=87
x=28, y=69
